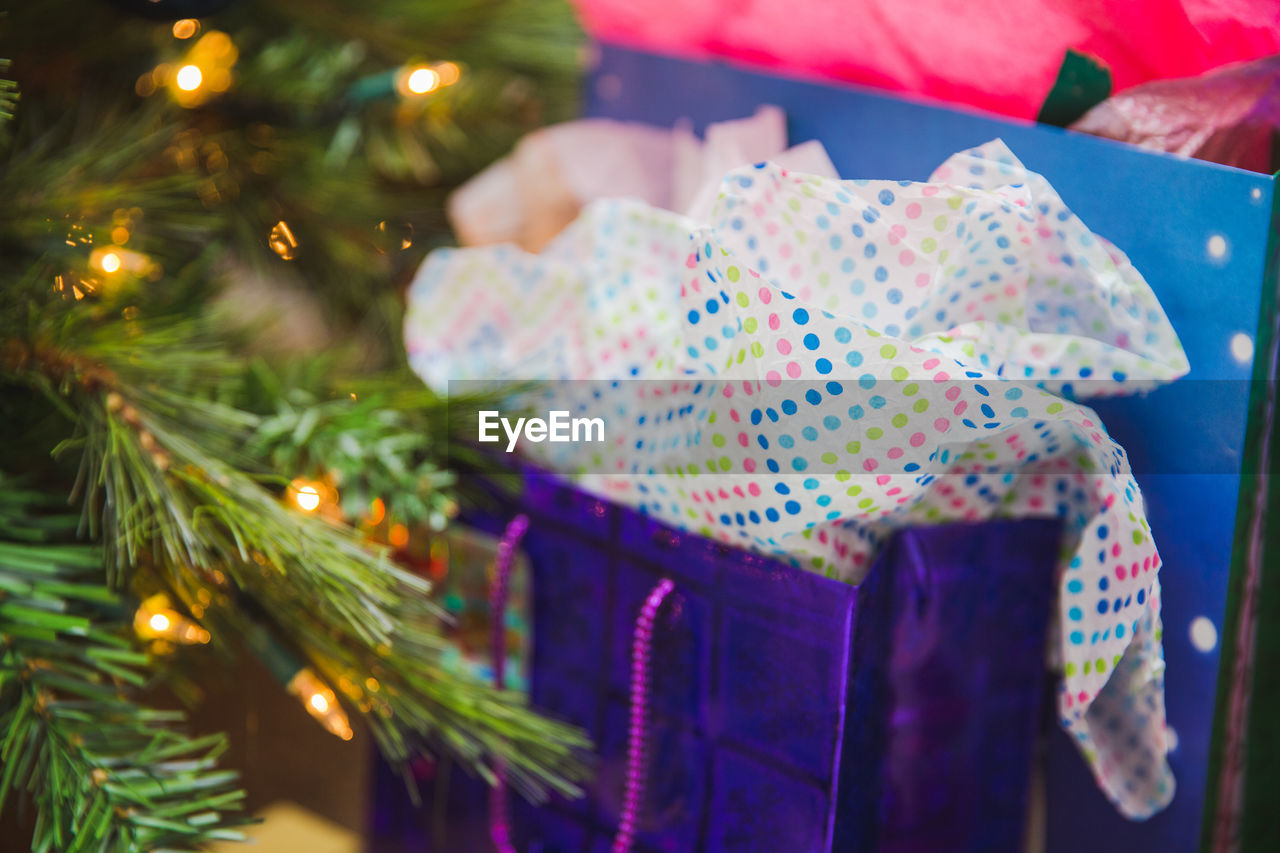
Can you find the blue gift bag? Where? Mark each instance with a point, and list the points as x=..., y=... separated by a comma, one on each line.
x=1205, y=237
x=786, y=711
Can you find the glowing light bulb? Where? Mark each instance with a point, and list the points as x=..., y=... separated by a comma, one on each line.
x=157, y=620
x=377, y=512
x=117, y=259
x=185, y=28
x=315, y=496
x=282, y=241
x=321, y=702
x=421, y=81
x=205, y=71
x=308, y=498
x=188, y=78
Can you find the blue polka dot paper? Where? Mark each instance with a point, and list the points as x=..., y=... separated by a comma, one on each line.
x=823, y=362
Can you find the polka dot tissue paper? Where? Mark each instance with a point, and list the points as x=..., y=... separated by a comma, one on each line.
x=822, y=362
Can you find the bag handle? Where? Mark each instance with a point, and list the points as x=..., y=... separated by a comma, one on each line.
x=637, y=740
x=499, y=829
x=637, y=733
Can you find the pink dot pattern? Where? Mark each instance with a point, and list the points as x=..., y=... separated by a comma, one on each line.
x=830, y=361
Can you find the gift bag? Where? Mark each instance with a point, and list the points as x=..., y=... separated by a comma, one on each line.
x=821, y=363
x=1203, y=237
x=1192, y=447
x=784, y=711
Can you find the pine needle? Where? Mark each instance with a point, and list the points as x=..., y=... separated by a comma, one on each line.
x=104, y=771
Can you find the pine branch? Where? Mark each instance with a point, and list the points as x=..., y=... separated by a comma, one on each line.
x=8, y=94
x=366, y=447
x=180, y=481
x=104, y=771
x=384, y=437
x=165, y=477
x=360, y=180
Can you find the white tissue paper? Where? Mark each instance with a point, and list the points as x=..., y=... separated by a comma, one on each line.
x=814, y=363
x=530, y=196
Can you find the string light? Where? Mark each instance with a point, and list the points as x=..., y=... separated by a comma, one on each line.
x=119, y=260
x=188, y=78
x=282, y=241
x=422, y=80
x=308, y=498
x=305, y=495
x=314, y=496
x=185, y=28
x=203, y=72
x=321, y=702
x=156, y=619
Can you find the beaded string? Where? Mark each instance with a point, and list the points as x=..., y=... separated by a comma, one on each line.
x=637, y=749
x=641, y=649
x=499, y=829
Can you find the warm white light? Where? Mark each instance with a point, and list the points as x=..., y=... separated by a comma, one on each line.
x=185, y=28
x=282, y=241
x=1204, y=635
x=321, y=702
x=308, y=498
x=110, y=262
x=155, y=619
x=188, y=78
x=1217, y=247
x=422, y=80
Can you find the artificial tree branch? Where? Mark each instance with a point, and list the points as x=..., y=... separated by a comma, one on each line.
x=165, y=482
x=106, y=772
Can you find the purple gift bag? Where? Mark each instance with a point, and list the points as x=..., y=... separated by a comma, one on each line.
x=786, y=711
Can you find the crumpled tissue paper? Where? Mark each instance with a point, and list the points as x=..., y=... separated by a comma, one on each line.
x=530, y=196
x=816, y=363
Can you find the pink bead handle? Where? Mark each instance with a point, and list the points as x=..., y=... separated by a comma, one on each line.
x=637, y=748
x=499, y=830
x=641, y=651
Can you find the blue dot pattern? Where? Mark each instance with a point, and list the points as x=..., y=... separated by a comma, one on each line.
x=830, y=361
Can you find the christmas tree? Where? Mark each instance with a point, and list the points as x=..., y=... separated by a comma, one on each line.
x=210, y=209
